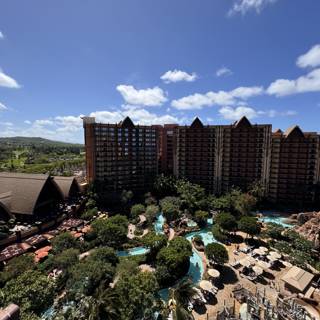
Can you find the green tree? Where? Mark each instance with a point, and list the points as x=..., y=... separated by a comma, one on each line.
x=244, y=203
x=86, y=277
x=249, y=225
x=111, y=232
x=165, y=186
x=193, y=196
x=64, y=241
x=137, y=209
x=218, y=235
x=16, y=267
x=66, y=259
x=201, y=217
x=170, y=206
x=136, y=294
x=105, y=255
x=217, y=253
x=151, y=213
x=155, y=242
x=226, y=221
x=175, y=257
x=31, y=290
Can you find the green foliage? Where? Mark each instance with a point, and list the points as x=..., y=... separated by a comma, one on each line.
x=63, y=241
x=170, y=207
x=165, y=186
x=175, y=257
x=226, y=221
x=66, y=259
x=274, y=231
x=16, y=267
x=31, y=290
x=244, y=203
x=136, y=294
x=89, y=214
x=218, y=235
x=193, y=196
x=111, y=232
x=149, y=199
x=151, y=213
x=217, y=253
x=105, y=255
x=137, y=209
x=201, y=217
x=249, y=225
x=86, y=276
x=155, y=242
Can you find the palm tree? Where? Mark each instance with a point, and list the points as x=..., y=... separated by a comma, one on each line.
x=180, y=297
x=104, y=306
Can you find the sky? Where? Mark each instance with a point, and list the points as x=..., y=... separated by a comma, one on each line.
x=157, y=61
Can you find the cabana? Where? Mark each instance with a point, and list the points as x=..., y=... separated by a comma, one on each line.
x=297, y=279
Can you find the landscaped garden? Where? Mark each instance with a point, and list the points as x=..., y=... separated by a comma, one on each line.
x=144, y=258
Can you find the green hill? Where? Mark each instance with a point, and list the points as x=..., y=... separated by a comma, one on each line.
x=35, y=142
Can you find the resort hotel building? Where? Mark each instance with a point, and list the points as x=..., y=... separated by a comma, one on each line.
x=125, y=156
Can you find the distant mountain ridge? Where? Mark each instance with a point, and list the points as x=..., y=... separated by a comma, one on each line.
x=35, y=141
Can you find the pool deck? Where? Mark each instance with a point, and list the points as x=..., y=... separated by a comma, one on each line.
x=231, y=277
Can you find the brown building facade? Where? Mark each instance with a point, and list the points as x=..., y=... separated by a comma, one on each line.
x=122, y=156
x=218, y=157
x=294, y=167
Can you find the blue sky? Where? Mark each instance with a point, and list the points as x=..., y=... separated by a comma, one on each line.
x=158, y=62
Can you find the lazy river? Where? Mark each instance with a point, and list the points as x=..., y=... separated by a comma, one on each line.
x=272, y=217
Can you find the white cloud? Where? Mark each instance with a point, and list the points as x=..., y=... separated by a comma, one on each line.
x=233, y=114
x=224, y=71
x=243, y=6
x=198, y=101
x=6, y=124
x=306, y=83
x=178, y=75
x=69, y=128
x=3, y=107
x=1, y=35
x=230, y=113
x=146, y=97
x=311, y=58
x=7, y=81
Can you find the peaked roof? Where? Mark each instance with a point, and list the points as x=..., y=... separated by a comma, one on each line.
x=24, y=188
x=196, y=123
x=127, y=123
x=65, y=184
x=243, y=122
x=294, y=131
x=278, y=131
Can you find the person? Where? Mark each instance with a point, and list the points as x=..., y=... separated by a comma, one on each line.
x=197, y=265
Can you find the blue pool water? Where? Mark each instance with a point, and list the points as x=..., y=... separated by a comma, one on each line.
x=210, y=221
x=205, y=234
x=276, y=219
x=133, y=252
x=158, y=225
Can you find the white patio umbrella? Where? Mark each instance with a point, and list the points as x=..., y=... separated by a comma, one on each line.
x=275, y=254
x=272, y=258
x=264, y=249
x=214, y=273
x=206, y=285
x=287, y=264
x=259, y=252
x=257, y=270
x=245, y=262
x=264, y=265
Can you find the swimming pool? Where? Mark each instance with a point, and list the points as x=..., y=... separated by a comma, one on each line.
x=277, y=220
x=206, y=235
x=132, y=252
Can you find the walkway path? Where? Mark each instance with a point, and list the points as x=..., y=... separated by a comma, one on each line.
x=171, y=234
